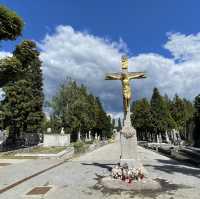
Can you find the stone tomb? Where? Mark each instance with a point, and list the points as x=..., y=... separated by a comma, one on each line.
x=56, y=140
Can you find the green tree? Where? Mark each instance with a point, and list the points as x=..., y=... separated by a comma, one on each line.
x=21, y=79
x=79, y=110
x=189, y=112
x=161, y=118
x=178, y=113
x=63, y=107
x=141, y=118
x=16, y=107
x=113, y=123
x=107, y=130
x=10, y=70
x=24, y=96
x=103, y=122
x=11, y=24
x=119, y=127
x=28, y=55
x=196, y=133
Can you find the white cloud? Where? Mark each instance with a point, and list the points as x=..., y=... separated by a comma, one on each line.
x=83, y=57
x=86, y=58
x=4, y=54
x=116, y=115
x=180, y=74
x=184, y=47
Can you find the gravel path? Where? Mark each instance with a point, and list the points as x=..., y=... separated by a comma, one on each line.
x=80, y=177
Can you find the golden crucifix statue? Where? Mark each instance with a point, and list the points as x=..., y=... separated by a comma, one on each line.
x=125, y=76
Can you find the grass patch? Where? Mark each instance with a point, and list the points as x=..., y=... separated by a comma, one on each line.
x=45, y=150
x=89, y=142
x=41, y=150
x=80, y=147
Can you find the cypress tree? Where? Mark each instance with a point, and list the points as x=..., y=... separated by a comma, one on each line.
x=119, y=128
x=196, y=133
x=24, y=96
x=161, y=118
x=77, y=110
x=28, y=55
x=178, y=113
x=113, y=123
x=141, y=118
x=103, y=122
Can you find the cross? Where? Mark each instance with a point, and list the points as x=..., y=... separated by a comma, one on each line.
x=125, y=78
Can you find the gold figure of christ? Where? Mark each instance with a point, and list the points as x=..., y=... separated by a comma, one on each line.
x=125, y=78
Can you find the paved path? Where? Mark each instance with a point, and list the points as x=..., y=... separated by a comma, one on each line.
x=79, y=178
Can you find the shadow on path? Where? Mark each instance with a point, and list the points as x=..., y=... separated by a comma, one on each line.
x=171, y=166
x=104, y=166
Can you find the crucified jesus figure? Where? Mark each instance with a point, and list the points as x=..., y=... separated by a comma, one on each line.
x=125, y=78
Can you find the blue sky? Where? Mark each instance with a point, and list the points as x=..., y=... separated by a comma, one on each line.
x=142, y=24
x=158, y=36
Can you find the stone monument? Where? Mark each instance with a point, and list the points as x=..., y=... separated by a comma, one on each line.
x=96, y=136
x=167, y=137
x=89, y=136
x=128, y=137
x=79, y=136
x=53, y=140
x=129, y=169
x=49, y=130
x=62, y=132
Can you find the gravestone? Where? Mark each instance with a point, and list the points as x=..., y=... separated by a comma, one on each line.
x=157, y=139
x=167, y=137
x=79, y=136
x=89, y=136
x=96, y=137
x=49, y=130
x=2, y=139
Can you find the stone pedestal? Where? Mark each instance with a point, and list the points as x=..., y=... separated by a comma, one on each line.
x=128, y=139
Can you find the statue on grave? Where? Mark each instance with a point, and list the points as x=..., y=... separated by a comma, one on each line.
x=62, y=132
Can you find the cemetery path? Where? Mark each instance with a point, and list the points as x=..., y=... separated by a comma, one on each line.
x=79, y=177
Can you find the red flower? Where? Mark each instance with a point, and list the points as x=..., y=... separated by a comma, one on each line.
x=129, y=180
